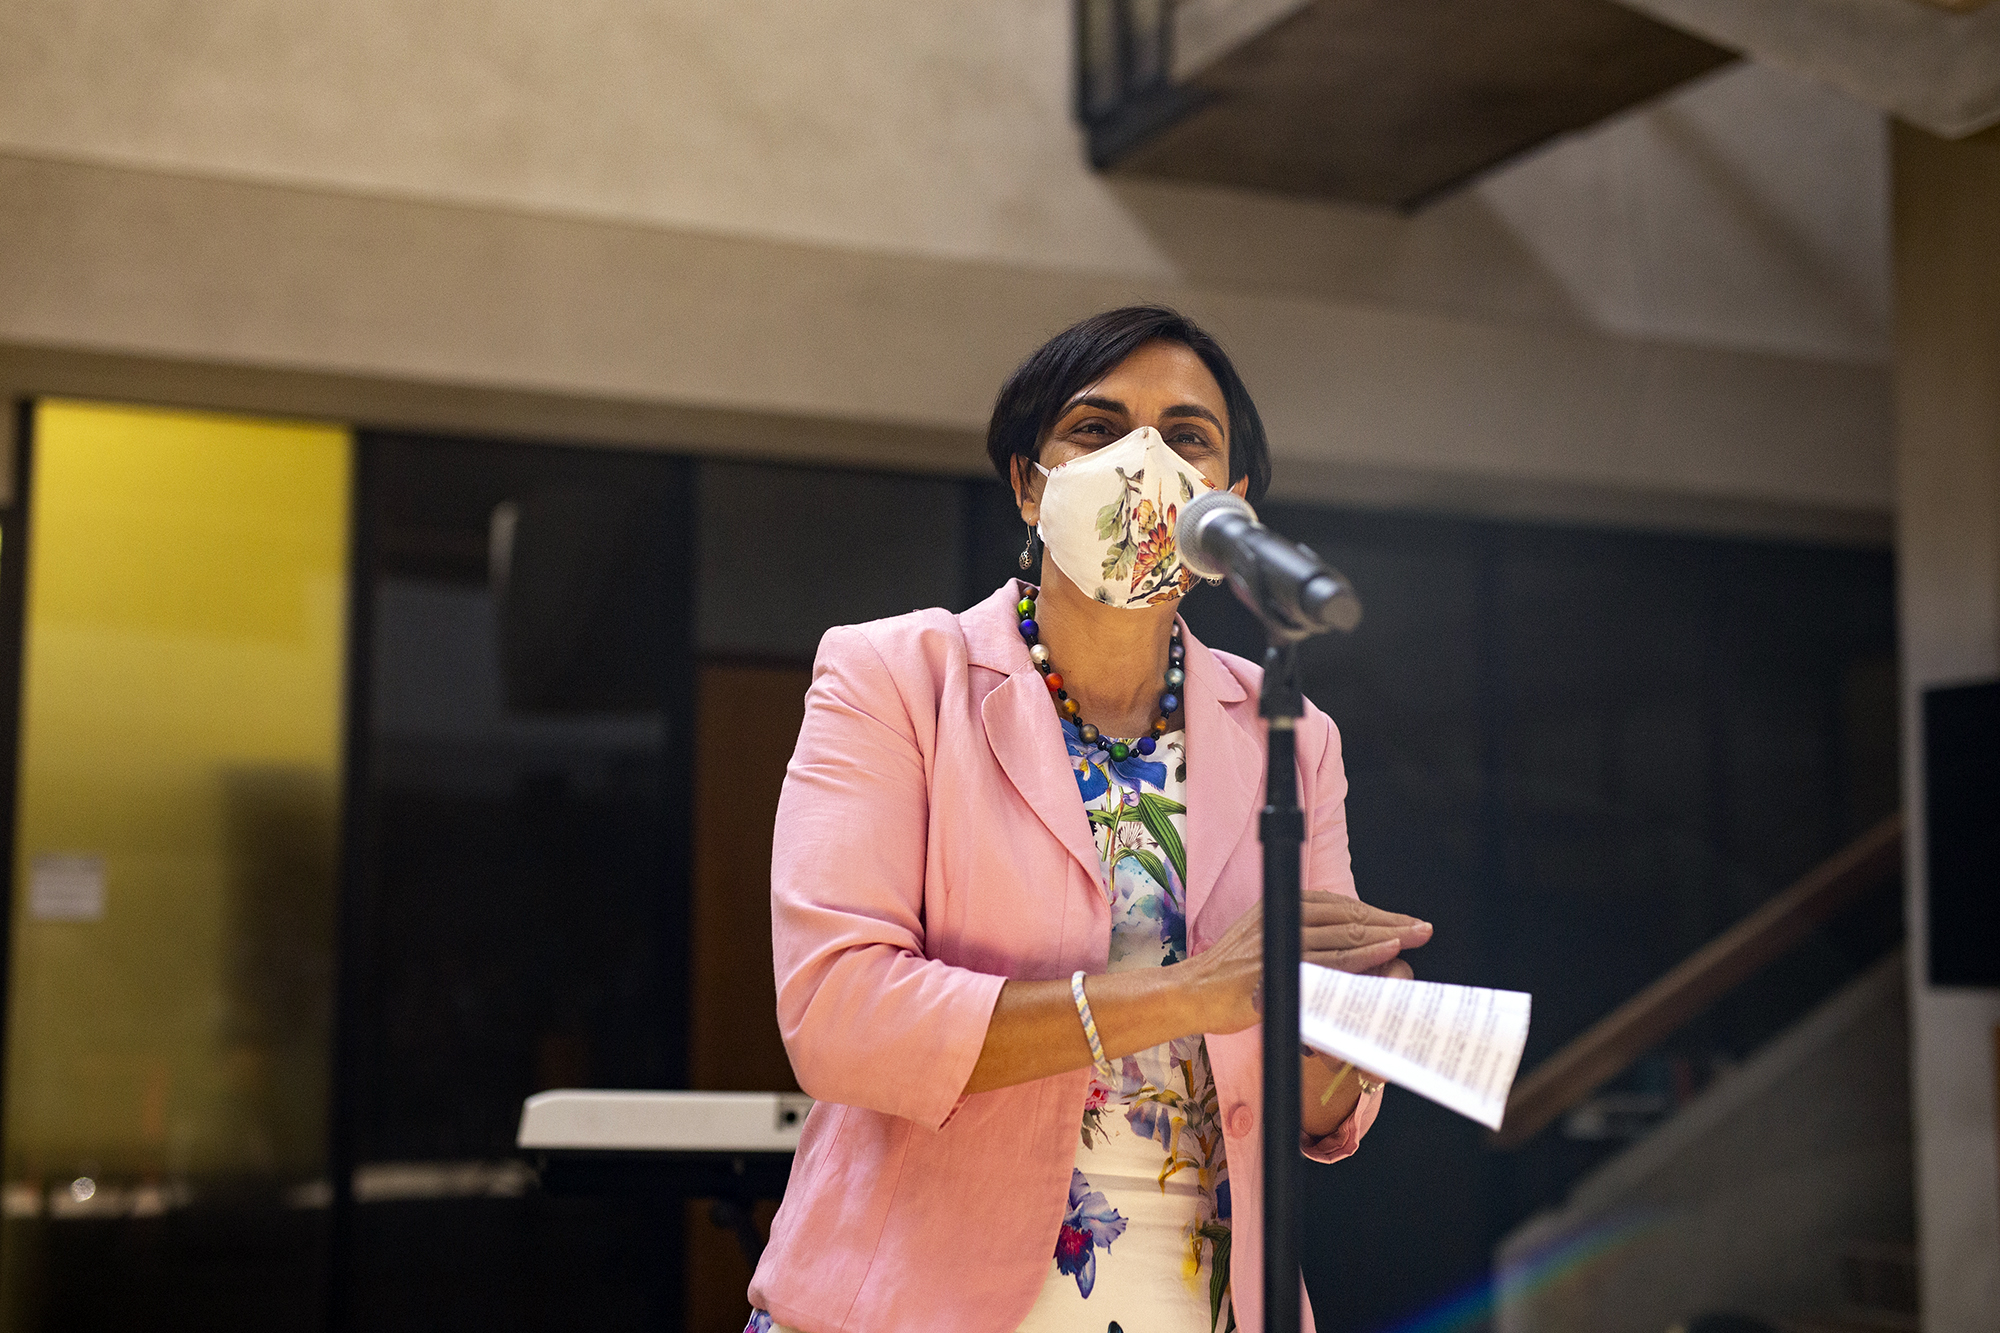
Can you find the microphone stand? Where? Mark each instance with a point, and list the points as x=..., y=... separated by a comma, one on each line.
x=1282, y=829
x=1296, y=597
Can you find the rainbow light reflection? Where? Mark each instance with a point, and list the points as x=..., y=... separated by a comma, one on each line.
x=1474, y=1304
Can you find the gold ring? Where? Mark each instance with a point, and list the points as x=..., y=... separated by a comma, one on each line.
x=1368, y=1085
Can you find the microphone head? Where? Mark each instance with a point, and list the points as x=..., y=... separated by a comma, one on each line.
x=1195, y=519
x=1329, y=602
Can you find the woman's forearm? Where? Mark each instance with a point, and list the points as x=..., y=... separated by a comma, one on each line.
x=1035, y=1031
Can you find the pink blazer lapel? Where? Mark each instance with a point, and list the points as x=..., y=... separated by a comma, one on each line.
x=1225, y=783
x=1027, y=740
x=1225, y=744
x=1022, y=730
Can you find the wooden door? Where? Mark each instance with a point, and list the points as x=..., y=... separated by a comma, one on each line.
x=748, y=716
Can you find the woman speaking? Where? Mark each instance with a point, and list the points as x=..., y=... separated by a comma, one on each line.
x=1014, y=892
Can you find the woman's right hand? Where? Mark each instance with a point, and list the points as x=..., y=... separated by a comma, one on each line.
x=1335, y=931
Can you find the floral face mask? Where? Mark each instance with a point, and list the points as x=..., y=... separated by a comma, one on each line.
x=1108, y=520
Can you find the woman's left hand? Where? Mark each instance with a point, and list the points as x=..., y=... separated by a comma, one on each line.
x=1396, y=968
x=1329, y=1099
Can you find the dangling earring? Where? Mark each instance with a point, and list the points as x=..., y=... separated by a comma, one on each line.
x=1028, y=551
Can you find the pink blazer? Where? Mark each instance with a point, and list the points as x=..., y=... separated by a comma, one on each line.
x=931, y=844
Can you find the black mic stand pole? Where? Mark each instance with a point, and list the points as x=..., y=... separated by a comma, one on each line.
x=1295, y=597
x=1282, y=830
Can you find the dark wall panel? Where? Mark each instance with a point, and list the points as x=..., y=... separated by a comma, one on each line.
x=1962, y=826
x=519, y=885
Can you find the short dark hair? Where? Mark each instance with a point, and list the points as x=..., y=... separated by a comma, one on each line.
x=1034, y=395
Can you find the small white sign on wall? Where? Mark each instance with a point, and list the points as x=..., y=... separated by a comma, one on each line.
x=66, y=886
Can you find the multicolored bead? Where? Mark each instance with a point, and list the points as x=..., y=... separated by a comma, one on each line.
x=1176, y=679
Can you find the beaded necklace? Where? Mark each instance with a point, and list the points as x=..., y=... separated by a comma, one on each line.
x=1170, y=698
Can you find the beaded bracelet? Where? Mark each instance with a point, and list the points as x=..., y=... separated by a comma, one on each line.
x=1104, y=1069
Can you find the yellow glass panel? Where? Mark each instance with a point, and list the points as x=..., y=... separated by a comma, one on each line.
x=177, y=837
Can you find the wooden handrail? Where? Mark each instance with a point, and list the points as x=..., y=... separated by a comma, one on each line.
x=1627, y=1032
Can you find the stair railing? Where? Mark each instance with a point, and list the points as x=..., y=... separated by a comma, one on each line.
x=1608, y=1046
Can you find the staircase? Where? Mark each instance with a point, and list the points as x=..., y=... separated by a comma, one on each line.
x=1780, y=1199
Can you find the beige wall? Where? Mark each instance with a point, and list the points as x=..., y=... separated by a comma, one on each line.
x=1749, y=209
x=942, y=130
x=1935, y=63
x=827, y=232
x=1948, y=563
x=897, y=357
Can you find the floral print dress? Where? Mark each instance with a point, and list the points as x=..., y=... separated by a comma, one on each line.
x=1144, y=1243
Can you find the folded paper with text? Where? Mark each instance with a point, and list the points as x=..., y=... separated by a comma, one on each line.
x=1457, y=1045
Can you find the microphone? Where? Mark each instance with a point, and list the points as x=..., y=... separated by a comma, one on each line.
x=1289, y=588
